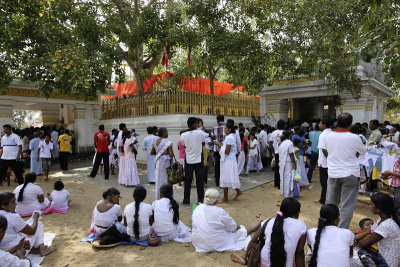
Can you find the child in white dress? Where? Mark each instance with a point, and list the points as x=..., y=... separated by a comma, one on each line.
x=59, y=198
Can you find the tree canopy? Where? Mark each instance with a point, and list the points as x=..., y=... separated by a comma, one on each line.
x=80, y=47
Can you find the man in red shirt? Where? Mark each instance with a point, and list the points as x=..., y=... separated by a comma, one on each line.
x=101, y=142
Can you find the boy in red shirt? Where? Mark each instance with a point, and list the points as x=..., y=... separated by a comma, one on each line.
x=101, y=142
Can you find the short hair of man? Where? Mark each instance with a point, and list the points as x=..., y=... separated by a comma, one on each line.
x=375, y=123
x=230, y=121
x=150, y=130
x=8, y=126
x=122, y=126
x=220, y=118
x=191, y=121
x=344, y=120
x=280, y=124
x=327, y=123
x=101, y=127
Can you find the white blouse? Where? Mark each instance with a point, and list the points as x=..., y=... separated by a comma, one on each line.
x=163, y=217
x=30, y=201
x=108, y=218
x=145, y=211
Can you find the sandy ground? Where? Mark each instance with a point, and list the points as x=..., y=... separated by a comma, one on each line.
x=256, y=204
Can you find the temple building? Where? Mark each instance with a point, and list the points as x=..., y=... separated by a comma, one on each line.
x=304, y=99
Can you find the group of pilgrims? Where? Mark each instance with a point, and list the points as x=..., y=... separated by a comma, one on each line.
x=332, y=146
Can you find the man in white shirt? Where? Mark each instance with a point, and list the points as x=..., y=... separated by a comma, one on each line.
x=46, y=153
x=344, y=168
x=273, y=144
x=262, y=138
x=325, y=127
x=193, y=140
x=11, y=145
x=148, y=144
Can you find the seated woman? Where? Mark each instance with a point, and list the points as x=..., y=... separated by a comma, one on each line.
x=166, y=218
x=387, y=231
x=106, y=212
x=8, y=259
x=331, y=246
x=30, y=197
x=214, y=230
x=19, y=231
x=285, y=237
x=138, y=216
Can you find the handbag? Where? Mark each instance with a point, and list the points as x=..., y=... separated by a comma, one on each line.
x=111, y=236
x=175, y=172
x=253, y=259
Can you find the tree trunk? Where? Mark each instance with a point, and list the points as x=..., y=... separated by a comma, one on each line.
x=139, y=83
x=211, y=76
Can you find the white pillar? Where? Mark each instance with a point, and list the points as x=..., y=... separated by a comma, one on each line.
x=355, y=107
x=6, y=110
x=278, y=108
x=50, y=115
x=81, y=128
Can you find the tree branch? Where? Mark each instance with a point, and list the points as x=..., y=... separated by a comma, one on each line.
x=121, y=12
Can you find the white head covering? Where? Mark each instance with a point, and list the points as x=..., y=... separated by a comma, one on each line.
x=211, y=197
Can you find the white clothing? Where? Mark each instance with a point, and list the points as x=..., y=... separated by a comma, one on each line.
x=10, y=145
x=238, y=142
x=163, y=216
x=103, y=220
x=208, y=140
x=389, y=246
x=322, y=145
x=121, y=169
x=286, y=167
x=264, y=136
x=214, y=230
x=342, y=149
x=193, y=143
x=145, y=211
x=148, y=144
x=60, y=199
x=15, y=225
x=253, y=151
x=131, y=175
x=30, y=201
x=119, y=138
x=9, y=260
x=293, y=229
x=164, y=226
x=54, y=138
x=334, y=246
x=275, y=138
x=229, y=174
x=241, y=161
x=45, y=149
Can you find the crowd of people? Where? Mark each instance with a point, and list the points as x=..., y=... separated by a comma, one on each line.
x=292, y=150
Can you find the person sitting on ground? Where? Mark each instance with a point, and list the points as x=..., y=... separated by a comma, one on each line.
x=106, y=212
x=19, y=231
x=138, y=216
x=166, y=218
x=30, y=197
x=285, y=237
x=59, y=198
x=8, y=259
x=214, y=230
x=331, y=245
x=387, y=232
x=369, y=255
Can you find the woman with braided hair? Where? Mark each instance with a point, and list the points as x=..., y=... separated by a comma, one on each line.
x=138, y=216
x=30, y=197
x=285, y=236
x=166, y=218
x=331, y=245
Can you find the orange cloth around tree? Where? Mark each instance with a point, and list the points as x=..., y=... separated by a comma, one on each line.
x=198, y=85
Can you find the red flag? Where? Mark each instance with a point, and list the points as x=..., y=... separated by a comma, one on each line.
x=164, y=60
x=189, y=57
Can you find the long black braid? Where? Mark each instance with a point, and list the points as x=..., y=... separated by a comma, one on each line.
x=327, y=214
x=139, y=194
x=167, y=192
x=29, y=178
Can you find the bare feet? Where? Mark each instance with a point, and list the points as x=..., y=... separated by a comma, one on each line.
x=238, y=194
x=44, y=250
x=238, y=259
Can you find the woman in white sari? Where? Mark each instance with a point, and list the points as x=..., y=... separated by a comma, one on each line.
x=214, y=230
x=163, y=150
x=287, y=163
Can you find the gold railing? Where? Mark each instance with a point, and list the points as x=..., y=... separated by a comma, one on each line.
x=180, y=102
